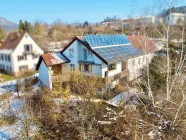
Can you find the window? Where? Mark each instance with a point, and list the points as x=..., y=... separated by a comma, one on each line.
x=72, y=67
x=144, y=59
x=9, y=58
x=28, y=48
x=139, y=60
x=2, y=57
x=90, y=54
x=133, y=62
x=5, y=58
x=23, y=67
x=21, y=57
x=35, y=56
x=71, y=52
x=112, y=67
x=87, y=68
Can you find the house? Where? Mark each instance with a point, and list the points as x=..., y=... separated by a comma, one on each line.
x=175, y=18
x=106, y=56
x=148, y=47
x=19, y=53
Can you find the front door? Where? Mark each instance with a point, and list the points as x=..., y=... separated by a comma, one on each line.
x=85, y=54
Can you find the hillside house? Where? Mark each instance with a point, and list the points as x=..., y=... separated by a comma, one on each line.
x=107, y=56
x=19, y=53
x=148, y=47
x=175, y=19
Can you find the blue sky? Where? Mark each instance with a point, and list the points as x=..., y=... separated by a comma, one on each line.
x=77, y=10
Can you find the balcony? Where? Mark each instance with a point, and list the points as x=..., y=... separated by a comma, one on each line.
x=118, y=76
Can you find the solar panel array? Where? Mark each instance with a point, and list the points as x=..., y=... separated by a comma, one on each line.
x=118, y=53
x=106, y=40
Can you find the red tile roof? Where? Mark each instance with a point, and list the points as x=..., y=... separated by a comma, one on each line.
x=142, y=43
x=12, y=40
x=52, y=59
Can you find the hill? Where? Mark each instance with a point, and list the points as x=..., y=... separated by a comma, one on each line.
x=181, y=9
x=8, y=25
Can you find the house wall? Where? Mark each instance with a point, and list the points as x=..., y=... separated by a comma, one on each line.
x=30, y=62
x=79, y=55
x=5, y=64
x=45, y=75
x=172, y=19
x=135, y=65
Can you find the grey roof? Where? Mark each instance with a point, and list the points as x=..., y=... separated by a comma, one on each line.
x=118, y=53
x=105, y=40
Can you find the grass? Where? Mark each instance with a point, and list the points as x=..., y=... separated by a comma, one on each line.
x=5, y=77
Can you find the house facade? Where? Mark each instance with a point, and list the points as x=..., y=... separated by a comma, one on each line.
x=19, y=53
x=111, y=57
x=175, y=19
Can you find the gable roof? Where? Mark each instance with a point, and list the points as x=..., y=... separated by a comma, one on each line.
x=12, y=40
x=143, y=43
x=87, y=46
x=51, y=59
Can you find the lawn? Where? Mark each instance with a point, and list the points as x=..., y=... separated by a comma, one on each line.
x=5, y=77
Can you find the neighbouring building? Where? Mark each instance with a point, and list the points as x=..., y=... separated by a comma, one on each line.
x=19, y=53
x=142, y=21
x=148, y=47
x=111, y=57
x=175, y=18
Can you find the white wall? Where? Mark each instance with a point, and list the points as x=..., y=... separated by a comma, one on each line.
x=20, y=51
x=79, y=55
x=135, y=70
x=173, y=19
x=45, y=75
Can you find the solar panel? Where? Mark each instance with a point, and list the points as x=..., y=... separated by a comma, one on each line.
x=106, y=40
x=117, y=53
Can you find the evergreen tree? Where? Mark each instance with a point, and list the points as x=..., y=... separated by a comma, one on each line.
x=27, y=26
x=85, y=24
x=21, y=26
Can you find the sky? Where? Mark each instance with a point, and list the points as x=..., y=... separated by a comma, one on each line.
x=70, y=11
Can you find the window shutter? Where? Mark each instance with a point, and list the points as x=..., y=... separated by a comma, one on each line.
x=25, y=47
x=31, y=47
x=18, y=58
x=25, y=57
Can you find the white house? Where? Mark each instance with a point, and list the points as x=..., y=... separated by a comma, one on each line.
x=106, y=56
x=175, y=18
x=148, y=47
x=19, y=53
